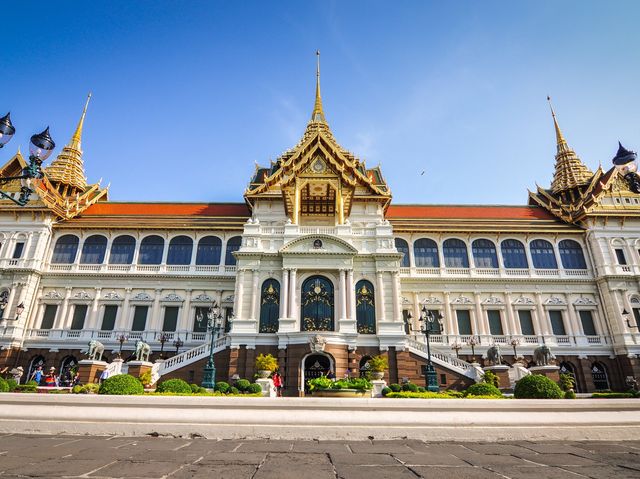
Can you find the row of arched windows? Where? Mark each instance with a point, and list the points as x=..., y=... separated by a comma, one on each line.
x=94, y=249
x=485, y=254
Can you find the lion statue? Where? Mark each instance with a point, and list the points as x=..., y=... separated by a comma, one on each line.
x=542, y=355
x=143, y=350
x=494, y=357
x=96, y=349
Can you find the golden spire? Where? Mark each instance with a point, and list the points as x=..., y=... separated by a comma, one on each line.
x=318, y=114
x=76, y=139
x=570, y=171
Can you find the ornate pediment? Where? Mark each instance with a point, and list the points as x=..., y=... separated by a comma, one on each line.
x=461, y=300
x=318, y=244
x=524, y=300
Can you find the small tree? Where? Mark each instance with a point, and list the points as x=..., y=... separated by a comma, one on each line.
x=266, y=362
x=491, y=378
x=378, y=364
x=567, y=381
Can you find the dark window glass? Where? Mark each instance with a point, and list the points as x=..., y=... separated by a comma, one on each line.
x=317, y=304
x=557, y=324
x=495, y=322
x=636, y=316
x=122, y=250
x=180, y=249
x=526, y=322
x=620, y=256
x=599, y=376
x=365, y=307
x=513, y=254
x=170, y=318
x=17, y=252
x=425, y=252
x=542, y=255
x=455, y=253
x=65, y=250
x=109, y=317
x=139, y=318
x=209, y=249
x=93, y=250
x=269, y=306
x=586, y=318
x=407, y=321
x=464, y=321
x=79, y=314
x=403, y=247
x=571, y=255
x=200, y=326
x=232, y=245
x=49, y=316
x=434, y=326
x=151, y=250
x=484, y=254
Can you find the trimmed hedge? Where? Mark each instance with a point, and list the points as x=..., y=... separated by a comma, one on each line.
x=536, y=386
x=12, y=384
x=222, y=387
x=395, y=387
x=612, y=395
x=482, y=389
x=89, y=388
x=4, y=387
x=385, y=391
x=254, y=388
x=411, y=387
x=234, y=390
x=432, y=395
x=570, y=394
x=122, y=384
x=174, y=386
x=243, y=384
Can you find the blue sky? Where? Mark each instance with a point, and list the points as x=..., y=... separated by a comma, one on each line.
x=187, y=95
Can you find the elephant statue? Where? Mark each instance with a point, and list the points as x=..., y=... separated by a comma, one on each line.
x=96, y=349
x=494, y=357
x=542, y=355
x=143, y=350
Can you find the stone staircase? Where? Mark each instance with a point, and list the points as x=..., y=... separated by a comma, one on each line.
x=445, y=360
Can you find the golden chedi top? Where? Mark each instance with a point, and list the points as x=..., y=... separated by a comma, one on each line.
x=570, y=171
x=66, y=172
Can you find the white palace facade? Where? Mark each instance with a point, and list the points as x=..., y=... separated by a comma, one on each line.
x=318, y=267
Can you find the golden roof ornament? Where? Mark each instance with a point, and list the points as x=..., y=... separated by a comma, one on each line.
x=318, y=114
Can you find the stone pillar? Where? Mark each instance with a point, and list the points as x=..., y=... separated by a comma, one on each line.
x=240, y=296
x=397, y=316
x=342, y=313
x=543, y=320
x=514, y=324
x=156, y=321
x=293, y=313
x=61, y=319
x=351, y=295
x=122, y=319
x=93, y=313
x=552, y=372
x=284, y=294
x=185, y=316
x=90, y=370
x=138, y=368
x=12, y=294
x=381, y=304
x=255, y=295
x=480, y=316
x=448, y=313
x=502, y=371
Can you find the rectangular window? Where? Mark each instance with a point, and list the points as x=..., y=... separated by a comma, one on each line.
x=407, y=322
x=586, y=318
x=443, y=379
x=170, y=318
x=526, y=322
x=228, y=317
x=557, y=324
x=435, y=325
x=79, y=314
x=464, y=321
x=620, y=256
x=636, y=316
x=139, y=318
x=495, y=322
x=109, y=317
x=200, y=326
x=49, y=316
x=17, y=252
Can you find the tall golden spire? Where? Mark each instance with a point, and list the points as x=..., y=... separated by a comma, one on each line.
x=76, y=139
x=570, y=171
x=318, y=113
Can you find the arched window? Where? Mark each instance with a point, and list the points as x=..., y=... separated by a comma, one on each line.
x=484, y=253
x=365, y=307
x=425, y=252
x=269, y=306
x=364, y=367
x=93, y=250
x=317, y=304
x=65, y=250
x=513, y=254
x=36, y=362
x=208, y=252
x=455, y=253
x=542, y=255
x=599, y=376
x=68, y=367
x=180, y=249
x=568, y=368
x=403, y=247
x=571, y=255
x=122, y=250
x=151, y=249
x=232, y=245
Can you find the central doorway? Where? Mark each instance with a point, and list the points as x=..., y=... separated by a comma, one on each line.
x=314, y=366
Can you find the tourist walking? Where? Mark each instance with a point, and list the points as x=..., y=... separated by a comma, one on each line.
x=37, y=375
x=51, y=380
x=277, y=383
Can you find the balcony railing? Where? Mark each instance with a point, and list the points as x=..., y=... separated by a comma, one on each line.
x=145, y=269
x=527, y=342
x=111, y=337
x=419, y=271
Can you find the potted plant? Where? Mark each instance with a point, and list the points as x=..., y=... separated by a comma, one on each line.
x=265, y=365
x=348, y=387
x=377, y=365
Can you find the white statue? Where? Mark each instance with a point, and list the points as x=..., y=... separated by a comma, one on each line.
x=96, y=349
x=143, y=350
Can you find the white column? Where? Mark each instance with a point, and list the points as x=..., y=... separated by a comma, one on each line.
x=543, y=320
x=416, y=311
x=397, y=316
x=92, y=322
x=155, y=324
x=185, y=316
x=123, y=314
x=293, y=312
x=255, y=295
x=351, y=294
x=574, y=321
x=27, y=246
x=514, y=323
x=12, y=294
x=480, y=317
x=448, y=313
x=284, y=294
x=240, y=297
x=381, y=304
x=343, y=295
x=61, y=319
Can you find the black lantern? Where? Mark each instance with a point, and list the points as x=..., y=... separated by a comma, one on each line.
x=7, y=130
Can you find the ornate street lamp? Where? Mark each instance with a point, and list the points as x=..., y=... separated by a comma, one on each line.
x=178, y=343
x=163, y=339
x=473, y=341
x=121, y=339
x=427, y=321
x=214, y=326
x=40, y=148
x=457, y=346
x=515, y=342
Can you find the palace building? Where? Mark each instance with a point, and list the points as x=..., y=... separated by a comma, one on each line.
x=320, y=268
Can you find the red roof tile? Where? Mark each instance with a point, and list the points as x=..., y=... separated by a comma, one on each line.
x=167, y=209
x=468, y=212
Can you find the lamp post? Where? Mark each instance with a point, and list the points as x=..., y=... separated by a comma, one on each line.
x=40, y=148
x=473, y=341
x=427, y=320
x=515, y=342
x=214, y=326
x=163, y=339
x=178, y=343
x=457, y=346
x=121, y=339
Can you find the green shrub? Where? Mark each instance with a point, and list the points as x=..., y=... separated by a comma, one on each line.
x=12, y=383
x=145, y=378
x=430, y=395
x=361, y=384
x=4, y=387
x=174, y=386
x=194, y=388
x=421, y=389
x=243, y=384
x=490, y=377
x=395, y=387
x=233, y=390
x=386, y=391
x=121, y=384
x=254, y=389
x=222, y=387
x=202, y=390
x=411, y=387
x=567, y=381
x=27, y=388
x=482, y=389
x=536, y=386
x=610, y=395
x=89, y=388
x=570, y=394
x=322, y=382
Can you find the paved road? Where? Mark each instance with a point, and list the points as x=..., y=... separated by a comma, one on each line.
x=157, y=457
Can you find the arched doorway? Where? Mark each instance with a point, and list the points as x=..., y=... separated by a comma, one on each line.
x=567, y=368
x=35, y=363
x=364, y=367
x=67, y=368
x=599, y=376
x=315, y=365
x=317, y=304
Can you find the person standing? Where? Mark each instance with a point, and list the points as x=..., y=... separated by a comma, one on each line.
x=37, y=375
x=51, y=379
x=277, y=383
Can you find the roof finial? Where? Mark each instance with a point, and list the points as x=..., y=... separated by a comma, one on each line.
x=76, y=139
x=318, y=114
x=561, y=142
